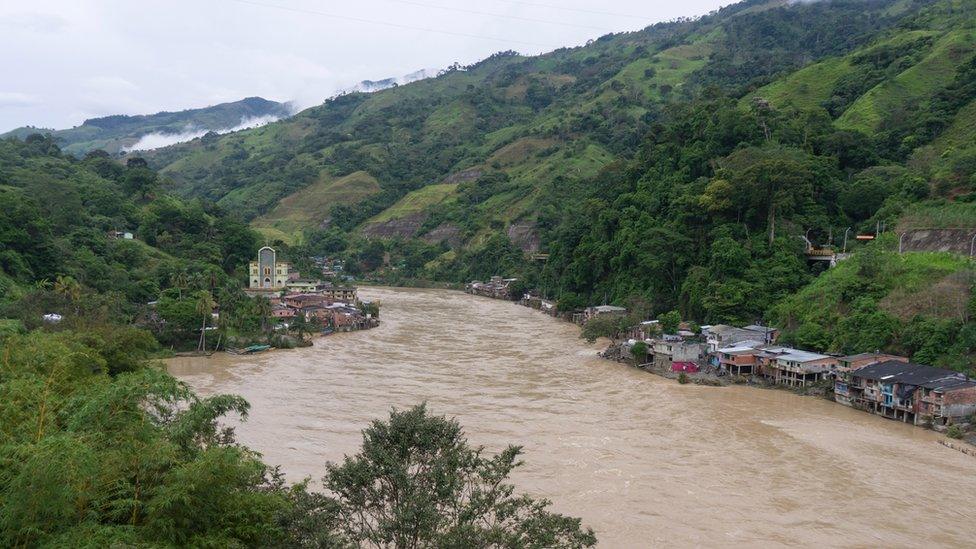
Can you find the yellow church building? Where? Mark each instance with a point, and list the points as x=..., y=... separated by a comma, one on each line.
x=267, y=273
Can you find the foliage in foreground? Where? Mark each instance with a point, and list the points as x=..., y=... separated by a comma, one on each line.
x=97, y=448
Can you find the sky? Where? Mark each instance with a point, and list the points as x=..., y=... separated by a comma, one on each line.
x=70, y=60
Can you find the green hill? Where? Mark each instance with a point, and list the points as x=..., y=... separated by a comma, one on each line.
x=120, y=132
x=598, y=100
x=679, y=166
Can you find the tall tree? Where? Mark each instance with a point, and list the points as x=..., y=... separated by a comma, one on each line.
x=418, y=483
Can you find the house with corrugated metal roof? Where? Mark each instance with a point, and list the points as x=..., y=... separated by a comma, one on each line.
x=913, y=393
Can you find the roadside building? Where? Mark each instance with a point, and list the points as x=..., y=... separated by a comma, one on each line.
x=303, y=300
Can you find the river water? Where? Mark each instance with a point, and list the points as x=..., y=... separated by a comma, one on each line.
x=643, y=460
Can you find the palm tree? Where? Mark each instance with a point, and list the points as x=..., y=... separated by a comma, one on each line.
x=205, y=306
x=263, y=306
x=68, y=288
x=179, y=281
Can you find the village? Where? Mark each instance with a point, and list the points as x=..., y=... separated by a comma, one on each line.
x=323, y=305
x=878, y=383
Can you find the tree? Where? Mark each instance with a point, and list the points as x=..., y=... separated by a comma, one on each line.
x=68, y=288
x=300, y=325
x=670, y=321
x=608, y=326
x=639, y=351
x=204, y=307
x=180, y=281
x=417, y=482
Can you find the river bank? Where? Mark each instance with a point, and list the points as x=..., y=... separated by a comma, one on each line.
x=643, y=460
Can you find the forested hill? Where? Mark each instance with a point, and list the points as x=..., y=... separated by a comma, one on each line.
x=679, y=165
x=528, y=120
x=116, y=133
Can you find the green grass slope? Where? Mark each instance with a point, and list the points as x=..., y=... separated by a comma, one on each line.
x=310, y=206
x=898, y=94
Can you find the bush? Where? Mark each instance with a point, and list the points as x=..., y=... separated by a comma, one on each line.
x=954, y=431
x=683, y=378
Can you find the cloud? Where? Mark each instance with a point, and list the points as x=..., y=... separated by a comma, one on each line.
x=157, y=140
x=17, y=99
x=39, y=23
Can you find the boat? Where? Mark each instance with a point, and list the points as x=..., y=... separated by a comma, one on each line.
x=249, y=350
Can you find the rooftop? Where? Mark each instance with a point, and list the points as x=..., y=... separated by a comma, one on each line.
x=906, y=373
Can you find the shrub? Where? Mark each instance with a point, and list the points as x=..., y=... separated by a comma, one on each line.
x=954, y=431
x=683, y=378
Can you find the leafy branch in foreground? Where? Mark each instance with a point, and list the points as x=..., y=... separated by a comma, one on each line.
x=418, y=483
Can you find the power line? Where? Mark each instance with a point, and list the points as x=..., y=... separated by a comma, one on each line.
x=394, y=25
x=500, y=15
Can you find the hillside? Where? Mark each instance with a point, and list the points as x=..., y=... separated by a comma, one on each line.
x=121, y=132
x=587, y=105
x=677, y=167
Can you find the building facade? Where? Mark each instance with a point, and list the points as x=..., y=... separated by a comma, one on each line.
x=267, y=273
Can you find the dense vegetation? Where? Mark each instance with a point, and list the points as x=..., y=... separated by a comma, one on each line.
x=57, y=256
x=100, y=449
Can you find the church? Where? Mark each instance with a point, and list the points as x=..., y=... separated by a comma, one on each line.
x=267, y=273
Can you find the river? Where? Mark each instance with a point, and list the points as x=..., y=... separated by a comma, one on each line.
x=643, y=460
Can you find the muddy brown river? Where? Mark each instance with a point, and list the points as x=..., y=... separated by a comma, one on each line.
x=644, y=461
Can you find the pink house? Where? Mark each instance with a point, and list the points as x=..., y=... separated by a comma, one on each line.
x=688, y=367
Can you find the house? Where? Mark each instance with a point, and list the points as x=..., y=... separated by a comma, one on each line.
x=120, y=235
x=739, y=359
x=670, y=349
x=496, y=287
x=723, y=335
x=283, y=312
x=303, y=300
x=336, y=293
x=603, y=310
x=913, y=393
x=687, y=367
x=860, y=360
x=795, y=367
x=302, y=286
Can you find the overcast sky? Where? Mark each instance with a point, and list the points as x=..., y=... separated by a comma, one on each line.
x=69, y=60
